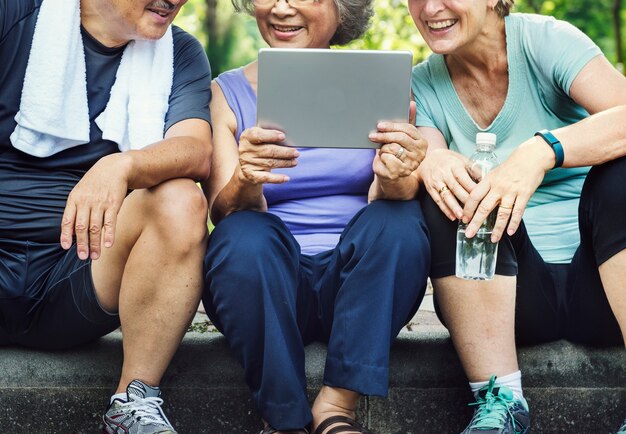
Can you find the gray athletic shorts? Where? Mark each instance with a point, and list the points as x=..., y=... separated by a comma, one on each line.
x=47, y=297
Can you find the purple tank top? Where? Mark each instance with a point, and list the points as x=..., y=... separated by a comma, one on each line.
x=326, y=188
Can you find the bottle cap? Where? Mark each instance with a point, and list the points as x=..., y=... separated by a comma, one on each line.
x=486, y=140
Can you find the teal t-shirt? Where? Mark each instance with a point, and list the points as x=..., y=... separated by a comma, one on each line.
x=544, y=56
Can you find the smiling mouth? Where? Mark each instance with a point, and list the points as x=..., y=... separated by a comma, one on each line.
x=439, y=25
x=286, y=29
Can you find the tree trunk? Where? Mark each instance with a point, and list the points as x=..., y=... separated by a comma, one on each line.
x=617, y=24
x=211, y=29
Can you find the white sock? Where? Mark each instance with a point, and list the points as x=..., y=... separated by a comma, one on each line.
x=512, y=381
x=122, y=396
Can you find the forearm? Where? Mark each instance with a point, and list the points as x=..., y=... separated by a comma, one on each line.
x=404, y=188
x=175, y=157
x=237, y=195
x=594, y=140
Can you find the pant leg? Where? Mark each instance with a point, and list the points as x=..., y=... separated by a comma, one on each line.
x=602, y=234
x=251, y=294
x=443, y=243
x=590, y=319
x=47, y=297
x=372, y=286
x=540, y=294
x=539, y=306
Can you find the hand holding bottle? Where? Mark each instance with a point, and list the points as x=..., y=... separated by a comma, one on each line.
x=476, y=255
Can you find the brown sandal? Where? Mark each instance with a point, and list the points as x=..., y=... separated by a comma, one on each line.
x=348, y=426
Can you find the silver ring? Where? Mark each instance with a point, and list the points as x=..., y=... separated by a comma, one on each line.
x=400, y=153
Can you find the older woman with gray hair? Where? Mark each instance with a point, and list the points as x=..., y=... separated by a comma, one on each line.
x=311, y=244
x=557, y=107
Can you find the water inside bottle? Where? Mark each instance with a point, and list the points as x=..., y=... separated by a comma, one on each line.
x=476, y=256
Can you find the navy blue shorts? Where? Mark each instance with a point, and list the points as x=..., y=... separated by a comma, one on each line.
x=47, y=297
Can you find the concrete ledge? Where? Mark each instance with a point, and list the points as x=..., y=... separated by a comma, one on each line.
x=571, y=389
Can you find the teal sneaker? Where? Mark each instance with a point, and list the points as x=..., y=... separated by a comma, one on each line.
x=498, y=412
x=622, y=430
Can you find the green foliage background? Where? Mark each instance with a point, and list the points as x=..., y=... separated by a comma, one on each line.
x=232, y=40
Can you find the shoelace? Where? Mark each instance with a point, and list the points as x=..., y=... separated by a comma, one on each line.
x=492, y=410
x=147, y=411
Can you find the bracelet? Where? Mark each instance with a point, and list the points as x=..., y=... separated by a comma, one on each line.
x=555, y=144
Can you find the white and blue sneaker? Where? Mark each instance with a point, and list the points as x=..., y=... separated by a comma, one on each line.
x=140, y=414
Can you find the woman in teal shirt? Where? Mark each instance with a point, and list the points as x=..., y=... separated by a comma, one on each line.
x=515, y=75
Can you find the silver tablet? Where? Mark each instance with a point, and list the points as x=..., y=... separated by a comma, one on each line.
x=332, y=98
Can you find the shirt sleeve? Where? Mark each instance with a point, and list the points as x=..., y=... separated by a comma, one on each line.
x=560, y=51
x=423, y=94
x=426, y=81
x=191, y=87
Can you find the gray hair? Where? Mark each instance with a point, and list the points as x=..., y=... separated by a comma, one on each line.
x=503, y=8
x=354, y=17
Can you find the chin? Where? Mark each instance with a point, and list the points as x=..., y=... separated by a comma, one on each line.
x=151, y=34
x=442, y=49
x=286, y=44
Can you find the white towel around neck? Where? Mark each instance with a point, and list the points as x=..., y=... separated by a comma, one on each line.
x=54, y=113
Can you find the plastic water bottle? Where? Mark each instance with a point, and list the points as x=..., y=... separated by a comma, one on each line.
x=476, y=256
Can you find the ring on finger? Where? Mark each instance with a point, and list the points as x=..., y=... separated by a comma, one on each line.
x=443, y=189
x=505, y=207
x=400, y=153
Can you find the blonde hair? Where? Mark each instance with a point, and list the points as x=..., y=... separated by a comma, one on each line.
x=503, y=7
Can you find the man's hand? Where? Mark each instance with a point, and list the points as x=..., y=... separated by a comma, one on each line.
x=92, y=206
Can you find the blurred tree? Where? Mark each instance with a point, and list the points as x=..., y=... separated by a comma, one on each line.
x=232, y=40
x=591, y=16
x=617, y=26
x=392, y=28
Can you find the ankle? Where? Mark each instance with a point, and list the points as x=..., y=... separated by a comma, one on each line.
x=333, y=401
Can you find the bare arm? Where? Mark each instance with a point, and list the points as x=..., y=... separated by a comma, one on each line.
x=240, y=170
x=185, y=152
x=93, y=204
x=601, y=137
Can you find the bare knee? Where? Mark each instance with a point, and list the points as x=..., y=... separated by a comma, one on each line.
x=178, y=210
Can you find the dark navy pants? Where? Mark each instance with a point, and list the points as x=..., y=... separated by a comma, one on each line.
x=556, y=301
x=269, y=300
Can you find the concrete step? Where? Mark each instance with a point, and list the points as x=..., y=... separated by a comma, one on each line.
x=571, y=389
